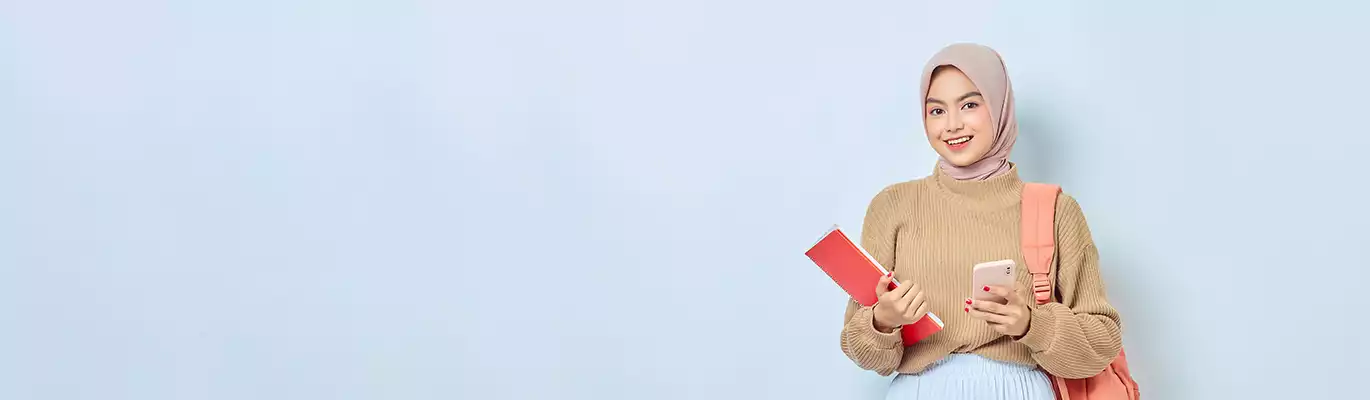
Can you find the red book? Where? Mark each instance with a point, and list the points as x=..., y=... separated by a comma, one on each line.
x=853, y=269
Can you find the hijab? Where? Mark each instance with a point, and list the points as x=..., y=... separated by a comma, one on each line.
x=986, y=70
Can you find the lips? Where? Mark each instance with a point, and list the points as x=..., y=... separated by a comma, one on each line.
x=958, y=143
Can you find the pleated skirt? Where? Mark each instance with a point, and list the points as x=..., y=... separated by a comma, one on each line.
x=970, y=376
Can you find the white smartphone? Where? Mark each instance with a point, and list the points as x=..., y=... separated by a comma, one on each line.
x=993, y=273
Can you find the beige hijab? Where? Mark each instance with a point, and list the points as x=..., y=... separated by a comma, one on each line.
x=986, y=70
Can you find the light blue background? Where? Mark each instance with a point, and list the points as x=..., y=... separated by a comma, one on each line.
x=599, y=200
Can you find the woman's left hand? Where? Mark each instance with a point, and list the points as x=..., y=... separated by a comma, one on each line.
x=1004, y=310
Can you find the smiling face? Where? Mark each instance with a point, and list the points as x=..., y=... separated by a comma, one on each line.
x=957, y=118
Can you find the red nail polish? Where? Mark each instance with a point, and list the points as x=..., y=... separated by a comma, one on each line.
x=967, y=301
x=967, y=309
x=986, y=288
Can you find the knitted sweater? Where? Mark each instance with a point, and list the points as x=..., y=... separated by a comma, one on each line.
x=931, y=231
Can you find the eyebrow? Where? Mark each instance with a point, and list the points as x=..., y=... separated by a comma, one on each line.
x=963, y=97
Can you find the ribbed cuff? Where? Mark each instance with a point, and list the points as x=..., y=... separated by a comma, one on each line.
x=1041, y=329
x=867, y=332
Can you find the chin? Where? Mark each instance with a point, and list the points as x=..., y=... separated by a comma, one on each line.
x=960, y=160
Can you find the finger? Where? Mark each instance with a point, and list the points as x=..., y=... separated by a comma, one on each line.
x=915, y=301
x=914, y=290
x=922, y=309
x=901, y=290
x=1000, y=294
x=990, y=318
x=883, y=286
x=1018, y=296
x=991, y=307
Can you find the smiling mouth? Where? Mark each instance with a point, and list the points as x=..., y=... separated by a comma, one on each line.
x=958, y=143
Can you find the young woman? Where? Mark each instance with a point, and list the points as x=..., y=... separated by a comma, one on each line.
x=930, y=232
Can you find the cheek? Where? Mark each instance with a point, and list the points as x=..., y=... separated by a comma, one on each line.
x=979, y=120
x=932, y=128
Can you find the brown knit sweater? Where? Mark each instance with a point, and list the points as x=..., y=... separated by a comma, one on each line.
x=931, y=232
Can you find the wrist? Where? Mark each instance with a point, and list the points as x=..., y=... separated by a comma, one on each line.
x=1027, y=324
x=1039, y=334
x=879, y=324
x=883, y=327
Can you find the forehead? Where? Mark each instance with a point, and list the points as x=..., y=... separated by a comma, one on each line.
x=948, y=79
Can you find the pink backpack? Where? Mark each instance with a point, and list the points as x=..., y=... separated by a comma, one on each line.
x=1039, y=245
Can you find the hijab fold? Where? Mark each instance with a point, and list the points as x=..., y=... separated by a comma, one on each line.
x=986, y=70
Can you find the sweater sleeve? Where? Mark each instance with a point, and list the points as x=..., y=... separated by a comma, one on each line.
x=869, y=348
x=1079, y=334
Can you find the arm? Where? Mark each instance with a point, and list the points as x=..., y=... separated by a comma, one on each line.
x=867, y=346
x=1081, y=334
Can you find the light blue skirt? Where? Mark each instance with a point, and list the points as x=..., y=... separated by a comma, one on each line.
x=970, y=376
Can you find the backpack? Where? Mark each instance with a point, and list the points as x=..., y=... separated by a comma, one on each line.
x=1039, y=246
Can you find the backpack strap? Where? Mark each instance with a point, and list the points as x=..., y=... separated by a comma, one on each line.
x=1039, y=235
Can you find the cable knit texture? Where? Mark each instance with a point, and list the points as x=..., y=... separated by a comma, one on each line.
x=931, y=231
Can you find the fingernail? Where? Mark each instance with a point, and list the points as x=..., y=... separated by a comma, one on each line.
x=986, y=288
x=967, y=309
x=967, y=301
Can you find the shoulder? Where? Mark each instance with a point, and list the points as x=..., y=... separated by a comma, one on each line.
x=894, y=203
x=1068, y=207
x=899, y=194
x=1071, y=225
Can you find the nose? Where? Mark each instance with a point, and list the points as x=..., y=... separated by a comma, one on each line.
x=954, y=122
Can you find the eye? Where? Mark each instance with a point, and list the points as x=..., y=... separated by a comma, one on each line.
x=970, y=106
x=935, y=112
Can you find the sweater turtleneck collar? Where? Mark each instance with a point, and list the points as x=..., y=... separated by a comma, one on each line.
x=990, y=194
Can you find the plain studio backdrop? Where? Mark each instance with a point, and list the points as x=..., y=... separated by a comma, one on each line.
x=610, y=200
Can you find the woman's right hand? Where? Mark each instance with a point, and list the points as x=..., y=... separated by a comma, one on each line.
x=902, y=306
